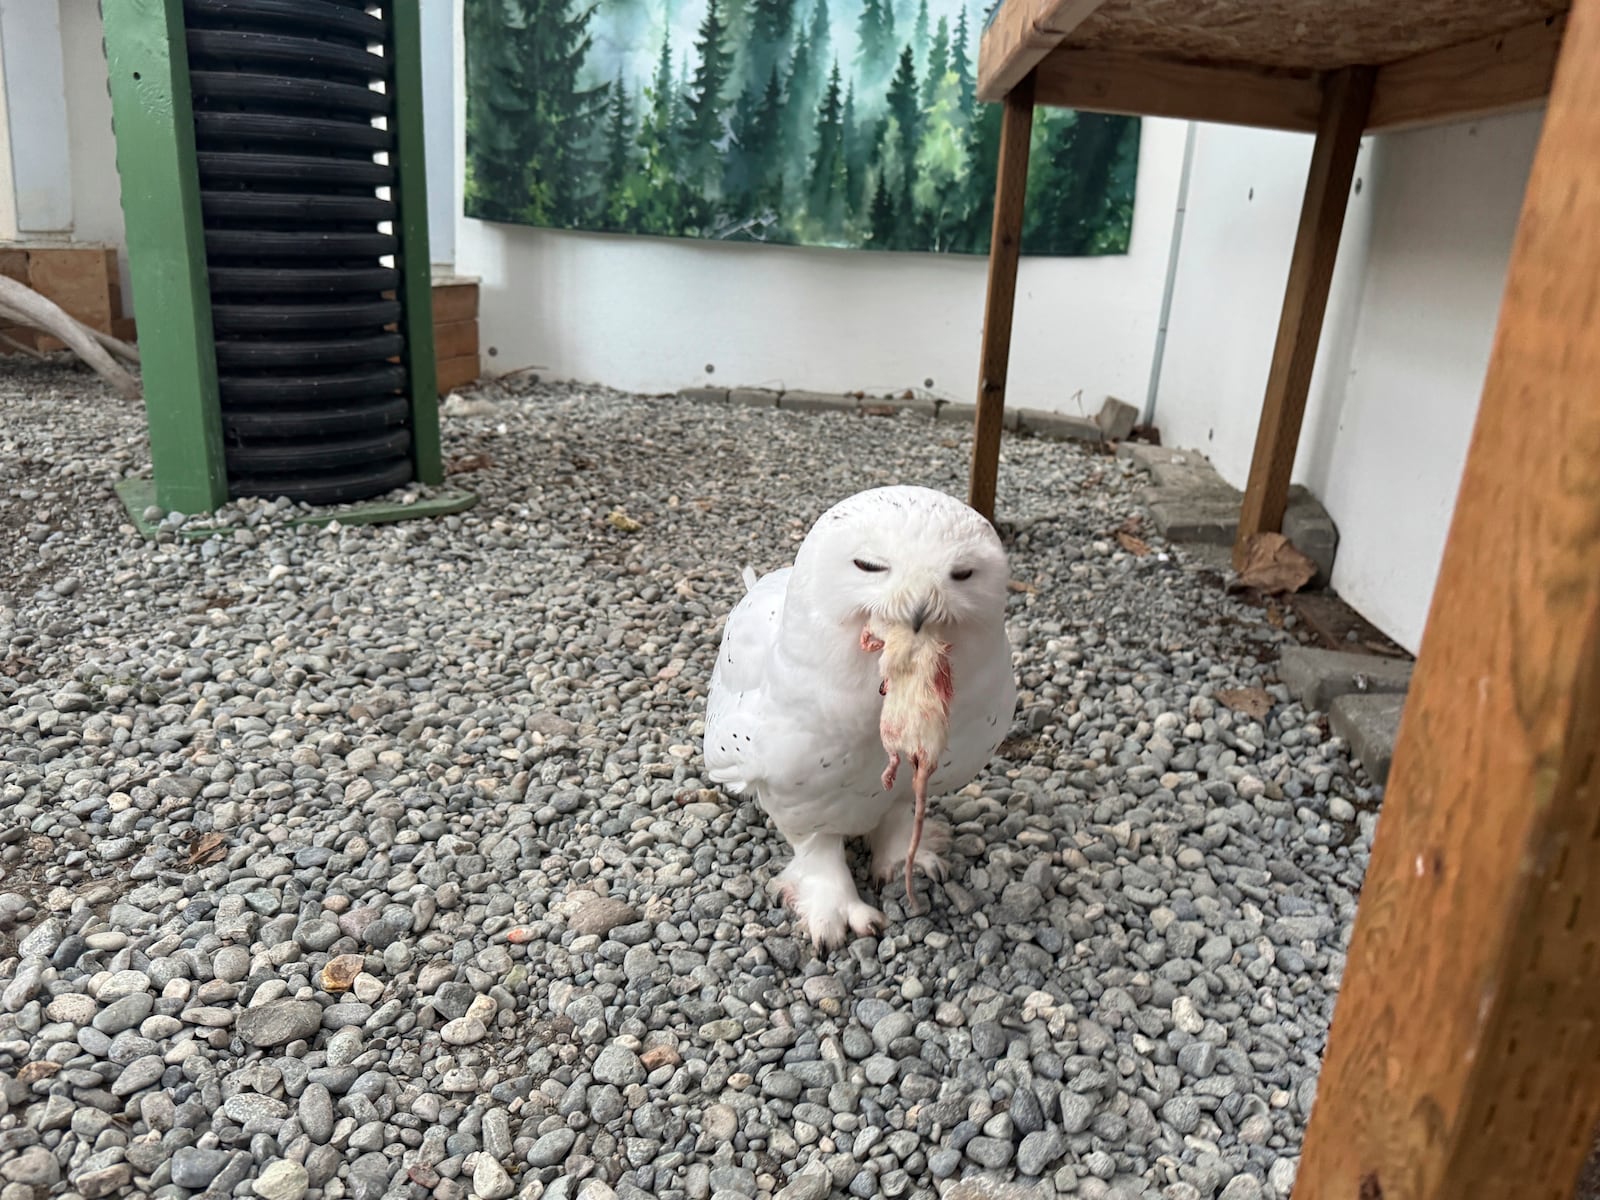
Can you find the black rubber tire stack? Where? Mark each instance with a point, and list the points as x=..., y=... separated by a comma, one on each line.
x=313, y=393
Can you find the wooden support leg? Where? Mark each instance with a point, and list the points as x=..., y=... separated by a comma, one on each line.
x=1464, y=1059
x=1005, y=247
x=1346, y=97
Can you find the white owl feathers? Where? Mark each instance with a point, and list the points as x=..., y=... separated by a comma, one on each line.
x=794, y=704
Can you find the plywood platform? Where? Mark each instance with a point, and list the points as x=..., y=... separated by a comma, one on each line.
x=1307, y=34
x=1265, y=65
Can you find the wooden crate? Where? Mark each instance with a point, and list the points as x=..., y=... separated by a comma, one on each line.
x=82, y=279
x=455, y=332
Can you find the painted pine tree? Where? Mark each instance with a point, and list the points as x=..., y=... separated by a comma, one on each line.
x=756, y=122
x=661, y=202
x=703, y=121
x=875, y=47
x=938, y=65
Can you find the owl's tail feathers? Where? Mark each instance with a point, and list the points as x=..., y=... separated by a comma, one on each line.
x=749, y=577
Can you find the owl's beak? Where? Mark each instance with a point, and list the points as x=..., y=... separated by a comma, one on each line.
x=919, y=618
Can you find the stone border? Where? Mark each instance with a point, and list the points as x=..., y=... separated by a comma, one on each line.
x=1190, y=502
x=1114, y=422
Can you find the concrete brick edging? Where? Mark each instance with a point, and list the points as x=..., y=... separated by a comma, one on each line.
x=1114, y=422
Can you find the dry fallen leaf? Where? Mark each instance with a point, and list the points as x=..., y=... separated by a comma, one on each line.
x=1253, y=702
x=621, y=520
x=1132, y=544
x=35, y=1071
x=340, y=973
x=208, y=848
x=1019, y=585
x=1273, y=566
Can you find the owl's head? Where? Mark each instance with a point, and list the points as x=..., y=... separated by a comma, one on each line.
x=904, y=555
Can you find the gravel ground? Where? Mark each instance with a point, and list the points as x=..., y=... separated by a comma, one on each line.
x=374, y=861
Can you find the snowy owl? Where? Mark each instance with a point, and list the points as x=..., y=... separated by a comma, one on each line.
x=796, y=711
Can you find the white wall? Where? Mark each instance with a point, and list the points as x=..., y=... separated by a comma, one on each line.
x=438, y=129
x=1410, y=322
x=649, y=314
x=1245, y=190
x=96, y=191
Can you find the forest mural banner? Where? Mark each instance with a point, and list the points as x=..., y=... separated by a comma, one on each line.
x=849, y=123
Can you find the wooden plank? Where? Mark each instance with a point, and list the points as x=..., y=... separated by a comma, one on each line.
x=1021, y=34
x=457, y=372
x=76, y=278
x=1464, y=1060
x=454, y=302
x=1317, y=35
x=14, y=263
x=1506, y=73
x=1346, y=96
x=456, y=339
x=1005, y=248
x=1115, y=82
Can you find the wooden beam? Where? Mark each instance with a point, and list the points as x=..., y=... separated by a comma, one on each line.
x=1005, y=248
x=1116, y=82
x=1505, y=73
x=1021, y=33
x=1346, y=96
x=1464, y=1059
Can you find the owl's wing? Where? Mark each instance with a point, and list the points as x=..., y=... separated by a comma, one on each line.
x=735, y=703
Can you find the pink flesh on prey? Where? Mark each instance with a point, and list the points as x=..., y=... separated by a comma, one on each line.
x=915, y=722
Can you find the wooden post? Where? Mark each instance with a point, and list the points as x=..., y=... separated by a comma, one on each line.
x=1005, y=248
x=1346, y=96
x=1464, y=1059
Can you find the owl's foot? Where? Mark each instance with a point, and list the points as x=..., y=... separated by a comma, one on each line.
x=870, y=642
x=818, y=889
x=891, y=840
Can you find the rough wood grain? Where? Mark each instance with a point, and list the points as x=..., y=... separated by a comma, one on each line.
x=457, y=372
x=455, y=302
x=1346, y=96
x=1023, y=32
x=1499, y=74
x=1314, y=34
x=455, y=339
x=1005, y=248
x=1464, y=1061
x=1110, y=81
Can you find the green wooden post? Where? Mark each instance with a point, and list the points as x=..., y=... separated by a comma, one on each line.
x=416, y=270
x=154, y=124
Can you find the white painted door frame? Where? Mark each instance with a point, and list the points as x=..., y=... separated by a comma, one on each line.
x=36, y=166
